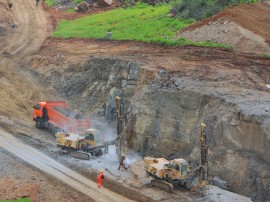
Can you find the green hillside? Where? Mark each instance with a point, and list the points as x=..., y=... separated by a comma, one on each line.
x=140, y=23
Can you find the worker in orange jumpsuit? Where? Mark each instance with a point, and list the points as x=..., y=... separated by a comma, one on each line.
x=100, y=177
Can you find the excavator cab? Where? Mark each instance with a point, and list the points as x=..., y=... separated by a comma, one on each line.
x=92, y=136
x=178, y=168
x=181, y=167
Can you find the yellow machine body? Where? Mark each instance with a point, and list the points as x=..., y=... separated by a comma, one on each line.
x=176, y=169
x=91, y=137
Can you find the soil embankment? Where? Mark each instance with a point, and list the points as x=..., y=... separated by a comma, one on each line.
x=245, y=27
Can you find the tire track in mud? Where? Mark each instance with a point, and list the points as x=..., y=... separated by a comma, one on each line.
x=52, y=167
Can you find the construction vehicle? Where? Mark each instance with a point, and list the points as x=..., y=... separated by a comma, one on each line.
x=204, y=164
x=55, y=114
x=168, y=174
x=84, y=145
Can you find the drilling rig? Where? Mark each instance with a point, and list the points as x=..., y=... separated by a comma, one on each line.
x=120, y=144
x=204, y=164
x=168, y=174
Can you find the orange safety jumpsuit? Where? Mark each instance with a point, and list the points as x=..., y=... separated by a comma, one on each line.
x=100, y=178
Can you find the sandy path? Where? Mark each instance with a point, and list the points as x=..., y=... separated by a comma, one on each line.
x=31, y=30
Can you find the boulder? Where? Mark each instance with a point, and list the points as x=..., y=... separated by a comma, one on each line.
x=105, y=2
x=82, y=7
x=220, y=183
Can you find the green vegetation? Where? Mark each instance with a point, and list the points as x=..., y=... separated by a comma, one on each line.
x=71, y=10
x=49, y=2
x=17, y=200
x=140, y=23
x=201, y=9
x=77, y=1
x=267, y=55
x=54, y=2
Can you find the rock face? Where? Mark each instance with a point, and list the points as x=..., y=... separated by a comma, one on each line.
x=168, y=122
x=164, y=112
x=105, y=2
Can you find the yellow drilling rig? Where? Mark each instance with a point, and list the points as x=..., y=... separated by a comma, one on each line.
x=168, y=174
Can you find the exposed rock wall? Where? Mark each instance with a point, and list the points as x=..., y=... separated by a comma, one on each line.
x=167, y=123
x=164, y=120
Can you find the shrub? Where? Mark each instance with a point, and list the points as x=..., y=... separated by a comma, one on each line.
x=200, y=9
x=267, y=55
x=78, y=1
x=55, y=2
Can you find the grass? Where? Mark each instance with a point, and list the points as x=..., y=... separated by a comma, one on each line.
x=71, y=10
x=77, y=1
x=17, y=200
x=49, y=3
x=139, y=23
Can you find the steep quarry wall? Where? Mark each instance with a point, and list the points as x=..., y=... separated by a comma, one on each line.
x=168, y=123
x=164, y=112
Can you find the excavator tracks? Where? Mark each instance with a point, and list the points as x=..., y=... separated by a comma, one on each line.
x=162, y=185
x=80, y=155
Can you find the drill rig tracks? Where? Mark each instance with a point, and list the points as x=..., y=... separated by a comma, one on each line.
x=162, y=185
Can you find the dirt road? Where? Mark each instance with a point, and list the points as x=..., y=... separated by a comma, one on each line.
x=31, y=28
x=50, y=166
x=28, y=29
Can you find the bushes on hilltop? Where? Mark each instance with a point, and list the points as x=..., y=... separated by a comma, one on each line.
x=200, y=9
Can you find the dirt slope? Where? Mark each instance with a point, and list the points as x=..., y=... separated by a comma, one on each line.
x=245, y=26
x=25, y=28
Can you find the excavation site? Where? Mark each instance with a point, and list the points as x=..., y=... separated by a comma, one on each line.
x=159, y=122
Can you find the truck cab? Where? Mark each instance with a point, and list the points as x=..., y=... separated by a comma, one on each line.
x=55, y=114
x=39, y=108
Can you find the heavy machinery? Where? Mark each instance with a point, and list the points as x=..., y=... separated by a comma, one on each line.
x=55, y=114
x=120, y=144
x=168, y=174
x=204, y=164
x=84, y=145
